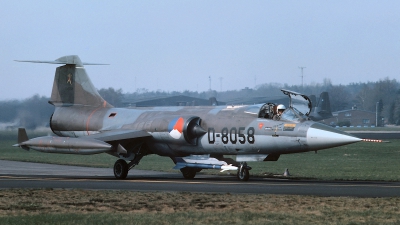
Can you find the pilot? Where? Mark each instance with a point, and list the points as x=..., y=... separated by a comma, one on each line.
x=279, y=110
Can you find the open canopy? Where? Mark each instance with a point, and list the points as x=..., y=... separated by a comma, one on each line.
x=298, y=109
x=298, y=101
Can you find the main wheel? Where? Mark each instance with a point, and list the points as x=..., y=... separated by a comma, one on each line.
x=243, y=173
x=120, y=169
x=188, y=173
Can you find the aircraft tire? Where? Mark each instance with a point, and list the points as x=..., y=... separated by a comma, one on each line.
x=188, y=173
x=243, y=174
x=120, y=169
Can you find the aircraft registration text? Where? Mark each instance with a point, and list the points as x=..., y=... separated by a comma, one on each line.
x=232, y=135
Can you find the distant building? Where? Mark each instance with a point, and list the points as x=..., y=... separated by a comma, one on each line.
x=352, y=117
x=258, y=100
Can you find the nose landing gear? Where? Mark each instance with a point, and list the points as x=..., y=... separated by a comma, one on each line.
x=243, y=172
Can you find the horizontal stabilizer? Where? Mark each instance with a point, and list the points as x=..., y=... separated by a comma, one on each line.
x=70, y=59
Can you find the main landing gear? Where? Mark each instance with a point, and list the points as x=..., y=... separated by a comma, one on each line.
x=121, y=167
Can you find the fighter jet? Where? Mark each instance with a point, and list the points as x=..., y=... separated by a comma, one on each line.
x=194, y=137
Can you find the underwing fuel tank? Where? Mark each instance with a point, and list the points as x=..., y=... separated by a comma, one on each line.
x=66, y=145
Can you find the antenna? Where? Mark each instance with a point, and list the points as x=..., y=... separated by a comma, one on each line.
x=302, y=76
x=209, y=78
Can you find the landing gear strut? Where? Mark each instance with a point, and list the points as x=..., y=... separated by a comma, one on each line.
x=243, y=172
x=121, y=168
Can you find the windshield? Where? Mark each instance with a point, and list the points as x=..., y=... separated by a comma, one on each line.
x=292, y=114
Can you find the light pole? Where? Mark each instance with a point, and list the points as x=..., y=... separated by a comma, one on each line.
x=302, y=67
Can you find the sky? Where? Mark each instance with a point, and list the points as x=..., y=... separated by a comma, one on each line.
x=181, y=45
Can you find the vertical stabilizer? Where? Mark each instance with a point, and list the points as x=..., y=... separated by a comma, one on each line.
x=323, y=108
x=72, y=85
x=324, y=104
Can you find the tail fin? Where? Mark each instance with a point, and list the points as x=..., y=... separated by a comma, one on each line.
x=72, y=85
x=323, y=108
x=324, y=105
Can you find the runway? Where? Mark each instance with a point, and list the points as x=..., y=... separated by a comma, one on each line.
x=36, y=175
x=379, y=135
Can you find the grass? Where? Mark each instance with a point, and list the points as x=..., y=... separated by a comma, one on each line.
x=360, y=161
x=246, y=217
x=47, y=206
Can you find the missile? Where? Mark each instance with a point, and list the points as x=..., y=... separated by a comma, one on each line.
x=66, y=145
x=223, y=168
x=228, y=167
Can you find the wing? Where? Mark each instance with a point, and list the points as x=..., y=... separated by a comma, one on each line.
x=118, y=135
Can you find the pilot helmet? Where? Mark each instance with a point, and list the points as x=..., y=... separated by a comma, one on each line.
x=281, y=107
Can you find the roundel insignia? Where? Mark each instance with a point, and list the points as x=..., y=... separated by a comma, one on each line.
x=175, y=128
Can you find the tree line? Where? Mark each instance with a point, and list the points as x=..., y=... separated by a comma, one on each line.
x=383, y=95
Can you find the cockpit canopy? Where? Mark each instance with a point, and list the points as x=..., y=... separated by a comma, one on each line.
x=298, y=110
x=299, y=101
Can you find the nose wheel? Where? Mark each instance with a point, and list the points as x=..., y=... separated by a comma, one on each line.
x=243, y=172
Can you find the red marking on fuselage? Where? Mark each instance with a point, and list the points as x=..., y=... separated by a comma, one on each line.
x=88, y=119
x=260, y=125
x=179, y=125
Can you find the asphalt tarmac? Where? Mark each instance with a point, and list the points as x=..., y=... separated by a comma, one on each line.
x=37, y=175
x=379, y=135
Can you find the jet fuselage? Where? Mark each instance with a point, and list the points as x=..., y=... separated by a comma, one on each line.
x=230, y=130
